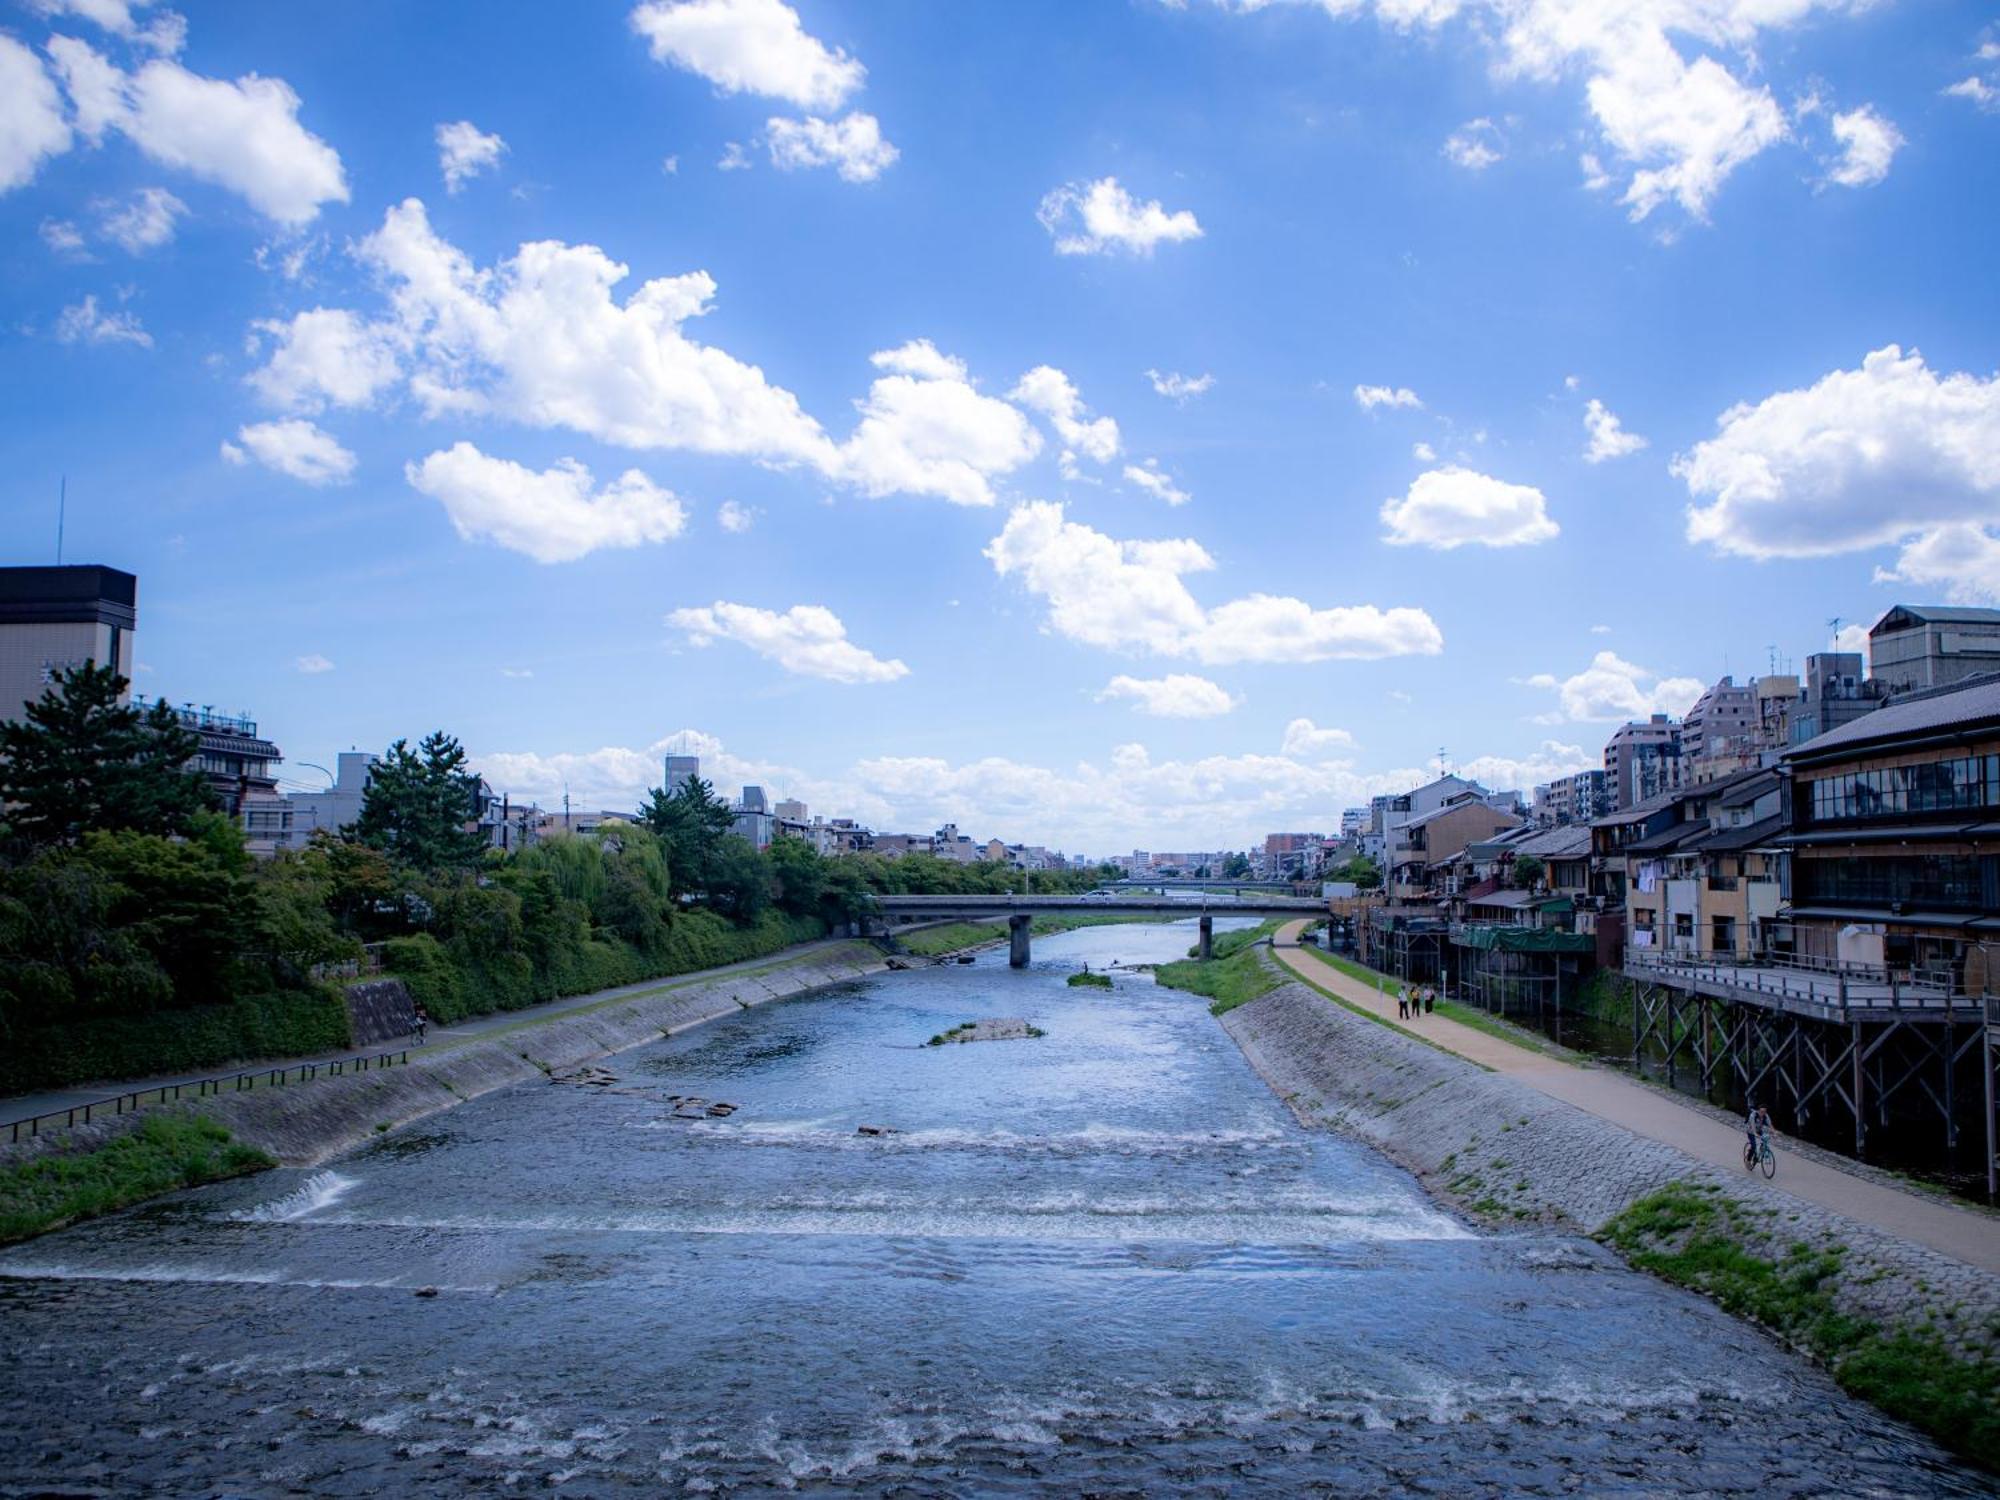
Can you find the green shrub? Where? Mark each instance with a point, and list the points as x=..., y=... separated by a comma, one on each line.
x=164, y=1153
x=1227, y=982
x=1090, y=980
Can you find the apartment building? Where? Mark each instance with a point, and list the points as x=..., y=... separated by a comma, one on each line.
x=1642, y=760
x=55, y=619
x=1914, y=648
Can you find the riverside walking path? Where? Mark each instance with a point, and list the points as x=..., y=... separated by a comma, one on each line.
x=76, y=1096
x=1962, y=1232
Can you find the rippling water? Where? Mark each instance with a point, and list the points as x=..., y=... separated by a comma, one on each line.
x=1104, y=1261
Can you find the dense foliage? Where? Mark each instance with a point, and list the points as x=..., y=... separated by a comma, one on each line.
x=138, y=936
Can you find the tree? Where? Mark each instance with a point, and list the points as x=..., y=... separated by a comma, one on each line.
x=1362, y=871
x=1528, y=871
x=1235, y=867
x=691, y=822
x=740, y=880
x=79, y=760
x=800, y=874
x=419, y=803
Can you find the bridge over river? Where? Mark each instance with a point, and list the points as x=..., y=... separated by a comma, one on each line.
x=1021, y=911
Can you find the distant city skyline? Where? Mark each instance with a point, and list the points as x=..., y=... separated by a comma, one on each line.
x=1104, y=427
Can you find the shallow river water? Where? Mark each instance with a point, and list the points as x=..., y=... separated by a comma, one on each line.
x=1103, y=1261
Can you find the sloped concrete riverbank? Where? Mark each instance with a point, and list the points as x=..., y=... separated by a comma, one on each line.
x=1505, y=1153
x=303, y=1124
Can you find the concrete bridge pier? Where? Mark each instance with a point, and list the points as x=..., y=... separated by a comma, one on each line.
x=1017, y=940
x=1207, y=948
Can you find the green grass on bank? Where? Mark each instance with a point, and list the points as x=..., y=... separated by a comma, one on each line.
x=1693, y=1236
x=1226, y=982
x=1465, y=1015
x=165, y=1153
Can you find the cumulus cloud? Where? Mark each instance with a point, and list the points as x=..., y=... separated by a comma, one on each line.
x=294, y=447
x=244, y=135
x=1156, y=483
x=1180, y=388
x=1368, y=397
x=749, y=46
x=1608, y=437
x=64, y=238
x=1962, y=559
x=135, y=21
x=1976, y=89
x=32, y=127
x=1180, y=695
x=1306, y=740
x=1099, y=218
x=1868, y=144
x=1507, y=773
x=312, y=665
x=1890, y=453
x=554, y=515
x=326, y=357
x=735, y=519
x=807, y=639
x=1475, y=145
x=926, y=430
x=1128, y=595
x=464, y=151
x=86, y=323
x=1613, y=690
x=1454, y=507
x=1048, y=390
x=852, y=145
x=143, y=222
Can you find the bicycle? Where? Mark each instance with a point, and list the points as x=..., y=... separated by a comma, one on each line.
x=1757, y=1154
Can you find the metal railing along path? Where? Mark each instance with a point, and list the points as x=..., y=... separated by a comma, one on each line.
x=199, y=1088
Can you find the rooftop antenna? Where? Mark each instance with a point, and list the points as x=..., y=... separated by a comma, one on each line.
x=1834, y=626
x=62, y=510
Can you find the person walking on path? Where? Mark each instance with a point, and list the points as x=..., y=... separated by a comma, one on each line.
x=1402, y=1002
x=420, y=1022
x=1430, y=998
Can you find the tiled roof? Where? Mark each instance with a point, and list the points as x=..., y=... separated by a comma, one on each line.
x=1910, y=714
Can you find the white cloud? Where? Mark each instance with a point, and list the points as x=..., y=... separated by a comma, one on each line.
x=1612, y=690
x=1100, y=217
x=670, y=165
x=1504, y=773
x=1852, y=638
x=1962, y=559
x=735, y=519
x=1868, y=143
x=734, y=158
x=1475, y=145
x=464, y=151
x=1891, y=453
x=294, y=447
x=1368, y=397
x=32, y=128
x=243, y=136
x=313, y=664
x=86, y=323
x=147, y=221
x=1306, y=740
x=1454, y=507
x=1974, y=88
x=326, y=357
x=1180, y=388
x=1423, y=453
x=1129, y=595
x=1155, y=483
x=165, y=34
x=1048, y=390
x=807, y=639
x=749, y=46
x=63, y=238
x=1608, y=438
x=925, y=430
x=552, y=516
x=852, y=145
x=1180, y=695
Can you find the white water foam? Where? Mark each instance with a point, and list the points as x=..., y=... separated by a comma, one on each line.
x=1092, y=1140
x=213, y=1276
x=321, y=1190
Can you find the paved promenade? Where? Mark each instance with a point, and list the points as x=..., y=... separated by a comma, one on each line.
x=1962, y=1232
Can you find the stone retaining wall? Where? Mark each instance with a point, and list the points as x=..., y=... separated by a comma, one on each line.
x=303, y=1124
x=1507, y=1153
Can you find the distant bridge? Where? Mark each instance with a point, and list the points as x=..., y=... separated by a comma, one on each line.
x=1204, y=883
x=1021, y=911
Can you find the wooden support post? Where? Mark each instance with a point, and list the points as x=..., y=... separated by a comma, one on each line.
x=1860, y=1106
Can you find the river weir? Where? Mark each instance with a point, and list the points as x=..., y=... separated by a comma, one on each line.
x=1100, y=1259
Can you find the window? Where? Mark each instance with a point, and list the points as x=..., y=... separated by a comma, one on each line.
x=1950, y=882
x=1723, y=935
x=1683, y=927
x=1956, y=784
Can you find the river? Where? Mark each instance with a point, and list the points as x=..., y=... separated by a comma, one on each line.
x=1103, y=1260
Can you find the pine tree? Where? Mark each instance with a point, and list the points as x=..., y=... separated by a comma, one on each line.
x=420, y=804
x=80, y=759
x=692, y=822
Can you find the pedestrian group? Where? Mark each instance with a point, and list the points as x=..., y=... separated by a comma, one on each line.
x=1414, y=1002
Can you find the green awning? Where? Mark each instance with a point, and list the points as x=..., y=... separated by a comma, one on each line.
x=1524, y=940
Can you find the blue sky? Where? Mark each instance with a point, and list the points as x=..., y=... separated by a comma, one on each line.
x=1109, y=425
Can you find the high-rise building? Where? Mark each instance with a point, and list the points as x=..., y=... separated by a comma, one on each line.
x=1642, y=760
x=53, y=619
x=790, y=810
x=681, y=769
x=1837, y=691
x=753, y=800
x=1914, y=646
x=1574, y=799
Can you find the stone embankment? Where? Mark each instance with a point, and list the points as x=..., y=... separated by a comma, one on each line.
x=1506, y=1153
x=303, y=1124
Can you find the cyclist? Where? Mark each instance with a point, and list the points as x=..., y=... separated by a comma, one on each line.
x=1757, y=1129
x=420, y=1022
